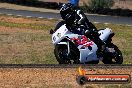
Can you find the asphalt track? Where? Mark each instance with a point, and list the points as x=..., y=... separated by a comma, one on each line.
x=51, y=15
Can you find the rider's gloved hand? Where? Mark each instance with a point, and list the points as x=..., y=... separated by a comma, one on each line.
x=76, y=22
x=87, y=32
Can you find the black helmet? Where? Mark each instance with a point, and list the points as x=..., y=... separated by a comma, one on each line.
x=66, y=12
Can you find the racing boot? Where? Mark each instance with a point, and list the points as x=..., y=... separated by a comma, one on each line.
x=101, y=48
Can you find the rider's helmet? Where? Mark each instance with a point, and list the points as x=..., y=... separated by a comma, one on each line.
x=67, y=12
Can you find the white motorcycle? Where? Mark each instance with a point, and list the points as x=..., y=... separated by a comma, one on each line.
x=72, y=48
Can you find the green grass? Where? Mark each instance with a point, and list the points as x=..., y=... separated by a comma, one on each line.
x=26, y=44
x=30, y=43
x=26, y=48
x=23, y=25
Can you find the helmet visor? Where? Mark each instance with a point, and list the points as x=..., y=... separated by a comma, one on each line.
x=64, y=13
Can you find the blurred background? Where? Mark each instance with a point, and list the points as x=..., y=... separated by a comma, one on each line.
x=107, y=7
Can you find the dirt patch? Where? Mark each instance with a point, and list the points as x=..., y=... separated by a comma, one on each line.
x=51, y=77
x=124, y=4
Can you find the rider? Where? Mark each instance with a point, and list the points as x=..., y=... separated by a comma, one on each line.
x=77, y=22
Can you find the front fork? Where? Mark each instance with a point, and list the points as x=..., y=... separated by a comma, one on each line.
x=68, y=46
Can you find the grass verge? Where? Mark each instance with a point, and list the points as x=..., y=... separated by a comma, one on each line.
x=27, y=40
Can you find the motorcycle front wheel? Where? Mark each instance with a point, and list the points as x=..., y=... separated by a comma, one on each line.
x=113, y=58
x=61, y=54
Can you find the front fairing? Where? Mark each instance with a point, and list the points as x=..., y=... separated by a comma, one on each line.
x=86, y=47
x=60, y=34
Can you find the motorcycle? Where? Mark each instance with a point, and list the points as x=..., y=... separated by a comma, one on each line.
x=73, y=48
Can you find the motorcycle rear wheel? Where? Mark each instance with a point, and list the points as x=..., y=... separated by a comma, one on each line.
x=113, y=58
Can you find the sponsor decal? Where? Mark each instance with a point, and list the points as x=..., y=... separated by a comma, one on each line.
x=84, y=78
x=82, y=40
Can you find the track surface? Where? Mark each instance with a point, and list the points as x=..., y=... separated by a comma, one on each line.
x=50, y=15
x=57, y=77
